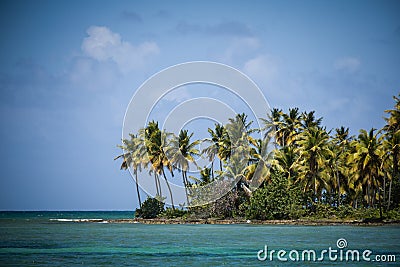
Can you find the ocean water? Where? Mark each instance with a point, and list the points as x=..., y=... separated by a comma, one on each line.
x=56, y=239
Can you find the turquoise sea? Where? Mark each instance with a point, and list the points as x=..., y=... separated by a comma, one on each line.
x=56, y=239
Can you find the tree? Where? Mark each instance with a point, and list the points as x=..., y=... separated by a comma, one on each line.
x=308, y=120
x=392, y=129
x=238, y=148
x=182, y=152
x=261, y=160
x=156, y=142
x=313, y=151
x=391, y=148
x=217, y=138
x=341, y=142
x=290, y=126
x=272, y=126
x=367, y=161
x=151, y=208
x=134, y=156
x=284, y=161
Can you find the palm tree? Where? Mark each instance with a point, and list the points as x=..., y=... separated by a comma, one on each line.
x=235, y=150
x=290, y=126
x=156, y=142
x=308, y=120
x=367, y=162
x=261, y=159
x=313, y=150
x=130, y=160
x=284, y=161
x=217, y=138
x=272, y=125
x=392, y=127
x=341, y=141
x=182, y=152
x=240, y=120
x=391, y=148
x=205, y=176
x=235, y=140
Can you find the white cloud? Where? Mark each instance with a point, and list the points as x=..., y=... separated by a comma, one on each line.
x=348, y=64
x=102, y=44
x=262, y=68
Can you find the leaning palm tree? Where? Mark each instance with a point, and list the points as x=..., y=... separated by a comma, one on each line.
x=156, y=142
x=313, y=150
x=181, y=152
x=133, y=156
x=272, y=125
x=261, y=160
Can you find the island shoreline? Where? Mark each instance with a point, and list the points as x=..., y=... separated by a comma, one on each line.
x=322, y=222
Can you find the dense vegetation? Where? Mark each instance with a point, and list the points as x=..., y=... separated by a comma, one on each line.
x=300, y=169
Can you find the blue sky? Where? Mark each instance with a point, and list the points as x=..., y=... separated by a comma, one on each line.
x=63, y=97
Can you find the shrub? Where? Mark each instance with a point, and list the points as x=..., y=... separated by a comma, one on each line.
x=173, y=213
x=274, y=201
x=151, y=208
x=345, y=211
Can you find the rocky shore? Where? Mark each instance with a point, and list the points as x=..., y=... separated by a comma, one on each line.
x=257, y=222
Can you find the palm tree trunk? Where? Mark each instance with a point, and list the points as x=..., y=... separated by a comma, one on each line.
x=169, y=189
x=395, y=165
x=315, y=188
x=338, y=182
x=158, y=185
x=369, y=195
x=185, y=185
x=137, y=189
x=390, y=193
x=212, y=169
x=380, y=204
x=384, y=189
x=155, y=182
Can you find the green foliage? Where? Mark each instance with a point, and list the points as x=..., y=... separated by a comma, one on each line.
x=326, y=211
x=394, y=214
x=321, y=210
x=173, y=213
x=151, y=208
x=345, y=211
x=395, y=201
x=274, y=201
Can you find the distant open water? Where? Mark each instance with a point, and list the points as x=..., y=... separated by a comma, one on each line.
x=54, y=239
